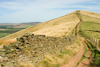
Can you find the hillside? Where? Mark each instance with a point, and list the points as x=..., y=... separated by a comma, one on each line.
x=57, y=27
x=61, y=41
x=29, y=23
x=91, y=24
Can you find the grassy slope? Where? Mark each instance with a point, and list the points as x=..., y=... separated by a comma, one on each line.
x=92, y=22
x=91, y=25
x=56, y=27
x=91, y=29
x=61, y=58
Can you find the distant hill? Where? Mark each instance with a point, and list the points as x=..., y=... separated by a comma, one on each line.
x=9, y=28
x=27, y=23
x=30, y=23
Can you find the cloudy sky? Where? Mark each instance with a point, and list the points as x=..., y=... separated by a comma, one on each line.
x=18, y=11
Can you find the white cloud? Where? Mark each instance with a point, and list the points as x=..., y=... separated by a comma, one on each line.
x=40, y=10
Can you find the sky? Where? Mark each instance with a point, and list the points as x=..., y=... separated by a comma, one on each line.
x=19, y=11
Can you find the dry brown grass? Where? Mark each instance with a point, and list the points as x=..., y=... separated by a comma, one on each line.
x=61, y=58
x=6, y=42
x=58, y=30
x=91, y=14
x=58, y=27
x=89, y=18
x=26, y=64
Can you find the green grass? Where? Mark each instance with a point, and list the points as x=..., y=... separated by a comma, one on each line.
x=95, y=55
x=9, y=29
x=28, y=26
x=3, y=34
x=46, y=64
x=65, y=52
x=57, y=65
x=6, y=32
x=85, y=49
x=91, y=28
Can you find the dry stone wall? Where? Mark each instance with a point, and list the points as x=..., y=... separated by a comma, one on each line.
x=31, y=48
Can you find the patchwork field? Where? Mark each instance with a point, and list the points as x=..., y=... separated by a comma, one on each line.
x=9, y=28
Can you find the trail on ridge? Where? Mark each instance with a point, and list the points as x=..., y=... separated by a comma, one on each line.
x=74, y=60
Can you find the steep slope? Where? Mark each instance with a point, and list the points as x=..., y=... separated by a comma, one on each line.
x=58, y=27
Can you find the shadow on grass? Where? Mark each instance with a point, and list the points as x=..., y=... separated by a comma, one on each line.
x=93, y=31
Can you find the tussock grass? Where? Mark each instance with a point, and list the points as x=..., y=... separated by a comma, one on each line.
x=61, y=58
x=26, y=64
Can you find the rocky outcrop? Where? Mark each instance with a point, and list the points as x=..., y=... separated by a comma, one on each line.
x=31, y=48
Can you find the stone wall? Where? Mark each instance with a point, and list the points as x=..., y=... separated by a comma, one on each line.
x=31, y=48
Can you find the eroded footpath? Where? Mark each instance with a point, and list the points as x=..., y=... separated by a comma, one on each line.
x=74, y=60
x=86, y=62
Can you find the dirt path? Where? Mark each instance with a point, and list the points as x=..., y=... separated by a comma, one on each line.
x=86, y=61
x=73, y=62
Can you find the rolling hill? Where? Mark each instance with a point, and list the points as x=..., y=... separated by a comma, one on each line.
x=60, y=48
x=57, y=27
x=10, y=28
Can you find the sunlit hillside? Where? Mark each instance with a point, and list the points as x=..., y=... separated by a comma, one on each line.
x=91, y=24
x=90, y=16
x=57, y=27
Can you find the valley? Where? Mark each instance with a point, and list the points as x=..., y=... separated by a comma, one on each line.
x=9, y=28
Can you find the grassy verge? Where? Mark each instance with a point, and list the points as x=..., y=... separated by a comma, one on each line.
x=95, y=55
